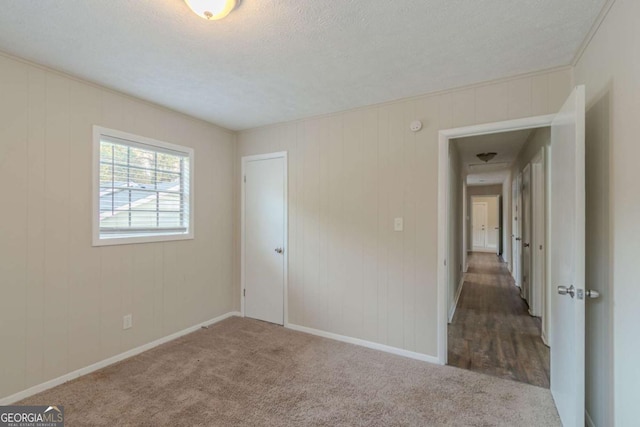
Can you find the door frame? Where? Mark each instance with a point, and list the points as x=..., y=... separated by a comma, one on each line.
x=500, y=226
x=540, y=230
x=513, y=191
x=517, y=231
x=444, y=137
x=244, y=161
x=526, y=227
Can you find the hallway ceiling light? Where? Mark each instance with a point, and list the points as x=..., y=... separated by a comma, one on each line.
x=485, y=157
x=212, y=9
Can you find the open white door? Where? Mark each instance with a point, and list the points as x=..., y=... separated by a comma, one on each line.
x=567, y=259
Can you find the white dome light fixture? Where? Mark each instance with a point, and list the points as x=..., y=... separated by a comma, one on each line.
x=212, y=10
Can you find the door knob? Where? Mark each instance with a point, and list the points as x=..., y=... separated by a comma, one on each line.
x=563, y=290
x=526, y=245
x=593, y=294
x=279, y=250
x=518, y=239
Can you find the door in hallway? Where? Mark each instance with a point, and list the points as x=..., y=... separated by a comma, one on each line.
x=480, y=217
x=263, y=240
x=567, y=259
x=526, y=216
x=500, y=226
x=538, y=303
x=515, y=230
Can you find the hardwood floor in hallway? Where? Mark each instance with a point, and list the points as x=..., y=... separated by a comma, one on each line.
x=492, y=331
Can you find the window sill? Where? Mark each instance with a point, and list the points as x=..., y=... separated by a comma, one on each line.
x=114, y=241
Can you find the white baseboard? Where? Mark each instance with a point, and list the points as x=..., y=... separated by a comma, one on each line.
x=515, y=281
x=110, y=361
x=368, y=344
x=587, y=419
x=452, y=310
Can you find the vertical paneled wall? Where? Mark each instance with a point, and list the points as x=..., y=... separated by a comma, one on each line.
x=62, y=300
x=350, y=175
x=609, y=67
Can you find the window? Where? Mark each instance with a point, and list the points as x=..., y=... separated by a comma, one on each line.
x=142, y=189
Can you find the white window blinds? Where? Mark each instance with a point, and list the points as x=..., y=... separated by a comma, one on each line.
x=144, y=189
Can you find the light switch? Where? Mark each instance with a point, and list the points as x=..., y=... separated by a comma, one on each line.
x=398, y=224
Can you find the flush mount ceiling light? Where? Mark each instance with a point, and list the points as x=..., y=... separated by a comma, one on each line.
x=485, y=157
x=212, y=9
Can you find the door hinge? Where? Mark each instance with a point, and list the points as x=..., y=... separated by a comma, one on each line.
x=244, y=292
x=245, y=179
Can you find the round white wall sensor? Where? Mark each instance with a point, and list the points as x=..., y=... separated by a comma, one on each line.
x=415, y=126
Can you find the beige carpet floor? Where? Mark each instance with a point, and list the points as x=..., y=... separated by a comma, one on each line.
x=243, y=372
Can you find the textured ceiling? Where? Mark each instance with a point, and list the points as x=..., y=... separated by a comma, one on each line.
x=507, y=145
x=276, y=60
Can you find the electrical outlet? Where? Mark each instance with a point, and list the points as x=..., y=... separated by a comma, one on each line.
x=127, y=321
x=398, y=224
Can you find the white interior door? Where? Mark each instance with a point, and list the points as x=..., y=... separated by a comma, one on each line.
x=479, y=215
x=264, y=216
x=538, y=236
x=567, y=260
x=517, y=229
x=500, y=227
x=526, y=234
x=515, y=254
x=493, y=221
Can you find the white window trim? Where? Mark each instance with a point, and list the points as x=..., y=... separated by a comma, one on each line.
x=98, y=132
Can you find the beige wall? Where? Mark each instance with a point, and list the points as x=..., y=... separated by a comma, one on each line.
x=539, y=138
x=484, y=190
x=610, y=69
x=350, y=174
x=62, y=300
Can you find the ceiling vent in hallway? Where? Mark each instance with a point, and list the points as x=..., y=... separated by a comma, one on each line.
x=487, y=167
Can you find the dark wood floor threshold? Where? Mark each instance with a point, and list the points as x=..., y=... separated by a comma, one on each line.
x=492, y=331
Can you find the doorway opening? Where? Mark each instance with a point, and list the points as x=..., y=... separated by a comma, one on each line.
x=565, y=255
x=496, y=313
x=484, y=223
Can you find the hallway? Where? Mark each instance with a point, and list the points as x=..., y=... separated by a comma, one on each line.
x=492, y=331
